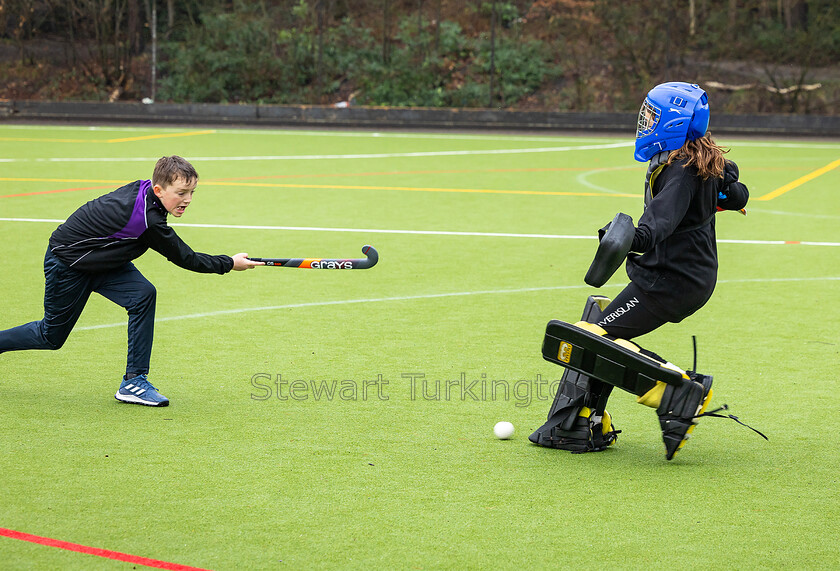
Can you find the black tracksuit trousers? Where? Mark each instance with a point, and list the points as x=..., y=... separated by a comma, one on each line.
x=66, y=293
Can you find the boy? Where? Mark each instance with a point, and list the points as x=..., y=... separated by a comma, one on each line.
x=92, y=252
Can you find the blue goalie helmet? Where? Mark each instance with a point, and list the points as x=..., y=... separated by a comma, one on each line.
x=673, y=113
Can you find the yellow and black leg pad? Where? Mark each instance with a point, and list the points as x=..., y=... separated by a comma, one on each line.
x=585, y=348
x=679, y=398
x=567, y=425
x=566, y=395
x=678, y=408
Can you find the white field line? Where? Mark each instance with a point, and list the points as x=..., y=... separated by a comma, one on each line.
x=226, y=130
x=583, y=177
x=325, y=157
x=337, y=302
x=51, y=220
x=430, y=232
x=417, y=297
x=223, y=129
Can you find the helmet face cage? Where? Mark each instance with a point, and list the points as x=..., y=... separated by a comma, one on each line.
x=648, y=119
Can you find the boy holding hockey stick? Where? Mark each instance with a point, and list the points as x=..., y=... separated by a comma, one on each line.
x=92, y=251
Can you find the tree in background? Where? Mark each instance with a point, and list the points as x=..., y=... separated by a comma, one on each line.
x=573, y=31
x=505, y=53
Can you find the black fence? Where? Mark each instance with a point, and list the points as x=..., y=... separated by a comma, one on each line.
x=402, y=118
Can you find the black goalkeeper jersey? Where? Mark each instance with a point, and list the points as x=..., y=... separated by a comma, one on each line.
x=676, y=264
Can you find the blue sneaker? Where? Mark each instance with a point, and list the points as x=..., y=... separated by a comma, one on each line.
x=140, y=391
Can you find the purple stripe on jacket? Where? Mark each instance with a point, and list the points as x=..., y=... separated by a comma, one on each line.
x=137, y=222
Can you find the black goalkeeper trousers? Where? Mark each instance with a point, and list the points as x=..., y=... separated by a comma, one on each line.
x=625, y=317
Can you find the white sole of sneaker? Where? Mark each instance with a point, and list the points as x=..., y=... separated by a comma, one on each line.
x=131, y=399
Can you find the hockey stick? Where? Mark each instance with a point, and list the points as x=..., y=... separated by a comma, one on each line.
x=325, y=263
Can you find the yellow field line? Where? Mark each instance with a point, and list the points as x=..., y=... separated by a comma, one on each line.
x=800, y=181
x=61, y=180
x=418, y=189
x=162, y=136
x=123, y=140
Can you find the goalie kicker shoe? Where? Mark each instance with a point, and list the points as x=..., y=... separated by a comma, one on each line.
x=587, y=433
x=138, y=390
x=679, y=410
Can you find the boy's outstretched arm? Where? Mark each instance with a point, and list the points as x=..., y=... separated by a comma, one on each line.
x=241, y=262
x=164, y=240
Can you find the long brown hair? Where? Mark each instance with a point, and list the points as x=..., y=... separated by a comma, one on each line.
x=704, y=154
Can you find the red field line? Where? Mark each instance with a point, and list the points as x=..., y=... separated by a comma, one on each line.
x=96, y=551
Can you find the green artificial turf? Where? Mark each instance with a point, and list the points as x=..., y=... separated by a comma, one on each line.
x=253, y=466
